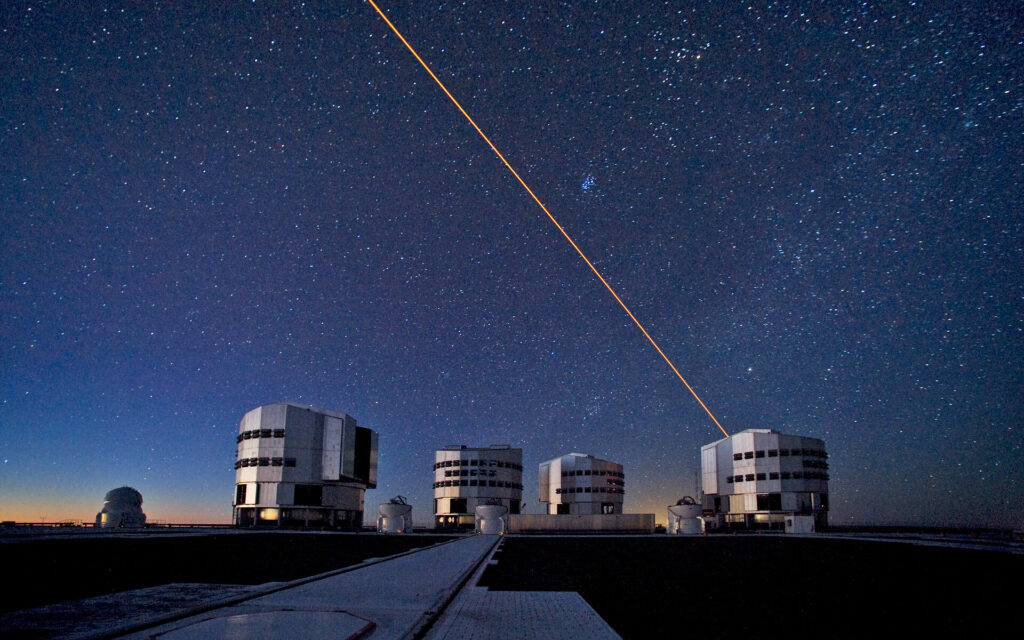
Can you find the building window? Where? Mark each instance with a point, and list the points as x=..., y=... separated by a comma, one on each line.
x=458, y=505
x=563, y=509
x=748, y=455
x=289, y=462
x=737, y=456
x=759, y=454
x=783, y=452
x=276, y=462
x=750, y=477
x=278, y=433
x=760, y=476
x=266, y=433
x=728, y=479
x=769, y=502
x=240, y=494
x=309, y=495
x=773, y=453
x=785, y=475
x=264, y=462
x=774, y=475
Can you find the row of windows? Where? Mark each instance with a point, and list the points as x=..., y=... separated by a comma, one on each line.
x=589, y=490
x=588, y=472
x=477, y=483
x=478, y=463
x=260, y=433
x=775, y=475
x=470, y=472
x=265, y=462
x=775, y=453
x=612, y=481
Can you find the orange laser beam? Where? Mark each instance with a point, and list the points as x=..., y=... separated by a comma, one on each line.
x=548, y=214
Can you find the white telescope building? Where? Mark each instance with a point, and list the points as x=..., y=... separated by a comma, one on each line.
x=299, y=466
x=122, y=509
x=465, y=478
x=580, y=484
x=763, y=479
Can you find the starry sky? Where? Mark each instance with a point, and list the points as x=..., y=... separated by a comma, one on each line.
x=813, y=207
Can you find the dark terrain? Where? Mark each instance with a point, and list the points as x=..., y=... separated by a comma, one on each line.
x=39, y=572
x=769, y=586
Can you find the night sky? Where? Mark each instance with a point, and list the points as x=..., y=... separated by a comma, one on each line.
x=815, y=209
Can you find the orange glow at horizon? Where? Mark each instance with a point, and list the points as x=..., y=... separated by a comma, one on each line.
x=31, y=511
x=550, y=217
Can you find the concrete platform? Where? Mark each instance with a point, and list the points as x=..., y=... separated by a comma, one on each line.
x=396, y=598
x=481, y=614
x=428, y=592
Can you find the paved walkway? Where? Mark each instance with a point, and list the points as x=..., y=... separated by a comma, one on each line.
x=430, y=590
x=391, y=599
x=478, y=613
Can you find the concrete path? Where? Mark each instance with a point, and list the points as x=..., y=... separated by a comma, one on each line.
x=392, y=599
x=478, y=613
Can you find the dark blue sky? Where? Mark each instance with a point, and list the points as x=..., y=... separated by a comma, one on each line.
x=815, y=209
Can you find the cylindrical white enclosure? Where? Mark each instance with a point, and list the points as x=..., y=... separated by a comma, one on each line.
x=491, y=519
x=394, y=518
x=685, y=518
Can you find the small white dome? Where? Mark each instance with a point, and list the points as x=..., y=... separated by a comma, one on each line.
x=122, y=508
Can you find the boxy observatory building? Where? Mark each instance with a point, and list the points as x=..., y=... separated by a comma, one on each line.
x=580, y=484
x=299, y=466
x=466, y=478
x=763, y=479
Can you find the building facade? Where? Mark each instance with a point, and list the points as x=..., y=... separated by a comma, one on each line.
x=757, y=477
x=465, y=478
x=299, y=466
x=580, y=484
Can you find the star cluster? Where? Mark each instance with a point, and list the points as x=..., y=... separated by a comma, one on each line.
x=814, y=210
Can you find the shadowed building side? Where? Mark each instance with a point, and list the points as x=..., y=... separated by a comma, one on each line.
x=299, y=466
